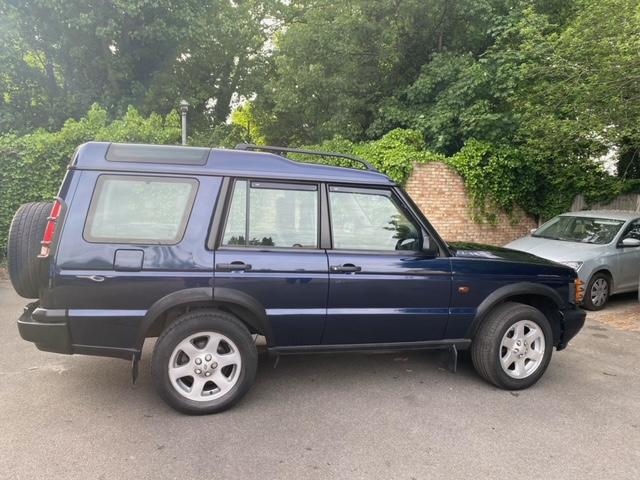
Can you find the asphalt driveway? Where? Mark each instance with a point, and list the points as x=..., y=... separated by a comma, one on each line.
x=387, y=416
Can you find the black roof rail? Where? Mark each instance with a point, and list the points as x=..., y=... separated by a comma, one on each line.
x=268, y=148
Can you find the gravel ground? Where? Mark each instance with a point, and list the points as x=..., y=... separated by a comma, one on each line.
x=376, y=416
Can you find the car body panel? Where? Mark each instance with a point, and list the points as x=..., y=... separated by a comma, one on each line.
x=394, y=298
x=292, y=286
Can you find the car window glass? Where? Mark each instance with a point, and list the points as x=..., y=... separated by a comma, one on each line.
x=633, y=230
x=139, y=209
x=279, y=215
x=370, y=221
x=580, y=229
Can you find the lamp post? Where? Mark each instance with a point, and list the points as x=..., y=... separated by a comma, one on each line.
x=184, y=108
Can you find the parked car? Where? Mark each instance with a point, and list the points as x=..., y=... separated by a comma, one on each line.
x=602, y=246
x=208, y=248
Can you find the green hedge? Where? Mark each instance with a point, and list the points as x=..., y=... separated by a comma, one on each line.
x=498, y=177
x=32, y=166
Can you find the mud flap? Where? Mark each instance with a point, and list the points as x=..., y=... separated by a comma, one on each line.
x=452, y=363
x=135, y=360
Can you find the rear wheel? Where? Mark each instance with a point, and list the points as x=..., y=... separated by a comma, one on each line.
x=26, y=271
x=597, y=293
x=204, y=362
x=513, y=347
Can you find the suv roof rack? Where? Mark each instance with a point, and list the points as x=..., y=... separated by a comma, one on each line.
x=268, y=148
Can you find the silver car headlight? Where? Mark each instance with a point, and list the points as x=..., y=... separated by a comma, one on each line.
x=575, y=265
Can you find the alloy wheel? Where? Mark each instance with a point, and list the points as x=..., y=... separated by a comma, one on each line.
x=205, y=366
x=522, y=349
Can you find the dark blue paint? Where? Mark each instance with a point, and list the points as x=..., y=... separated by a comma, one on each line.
x=395, y=297
x=292, y=285
x=369, y=306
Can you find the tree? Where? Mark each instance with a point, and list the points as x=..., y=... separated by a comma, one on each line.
x=57, y=57
x=337, y=61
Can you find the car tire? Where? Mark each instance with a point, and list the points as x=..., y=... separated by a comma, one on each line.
x=513, y=346
x=26, y=271
x=597, y=292
x=204, y=362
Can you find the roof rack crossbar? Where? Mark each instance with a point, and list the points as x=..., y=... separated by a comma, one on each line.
x=268, y=148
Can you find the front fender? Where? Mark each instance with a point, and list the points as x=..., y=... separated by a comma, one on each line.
x=512, y=290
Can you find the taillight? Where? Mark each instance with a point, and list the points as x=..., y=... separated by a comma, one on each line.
x=580, y=288
x=50, y=230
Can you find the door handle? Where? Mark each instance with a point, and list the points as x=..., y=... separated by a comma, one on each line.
x=346, y=268
x=93, y=278
x=233, y=267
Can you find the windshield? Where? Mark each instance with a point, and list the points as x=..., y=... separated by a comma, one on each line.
x=580, y=229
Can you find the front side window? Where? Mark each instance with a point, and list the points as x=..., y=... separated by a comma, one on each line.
x=370, y=220
x=266, y=214
x=632, y=231
x=139, y=209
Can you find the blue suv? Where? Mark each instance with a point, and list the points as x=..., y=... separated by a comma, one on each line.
x=210, y=249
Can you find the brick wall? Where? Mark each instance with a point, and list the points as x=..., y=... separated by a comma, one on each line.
x=440, y=192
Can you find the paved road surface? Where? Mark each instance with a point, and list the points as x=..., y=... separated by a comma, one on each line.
x=375, y=416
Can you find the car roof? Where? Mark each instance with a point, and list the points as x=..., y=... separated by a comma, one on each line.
x=105, y=156
x=608, y=214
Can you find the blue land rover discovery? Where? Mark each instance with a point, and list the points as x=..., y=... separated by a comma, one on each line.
x=210, y=249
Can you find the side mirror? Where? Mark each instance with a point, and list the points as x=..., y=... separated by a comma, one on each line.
x=630, y=242
x=429, y=247
x=533, y=230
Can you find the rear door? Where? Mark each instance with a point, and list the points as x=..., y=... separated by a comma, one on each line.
x=383, y=286
x=269, y=248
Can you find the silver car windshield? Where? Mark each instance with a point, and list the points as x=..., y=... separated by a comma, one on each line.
x=580, y=229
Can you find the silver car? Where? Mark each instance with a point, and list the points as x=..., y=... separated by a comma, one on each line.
x=602, y=246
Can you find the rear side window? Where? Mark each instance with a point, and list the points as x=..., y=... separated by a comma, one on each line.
x=272, y=215
x=139, y=209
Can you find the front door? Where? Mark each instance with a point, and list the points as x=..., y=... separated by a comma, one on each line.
x=628, y=259
x=383, y=286
x=269, y=250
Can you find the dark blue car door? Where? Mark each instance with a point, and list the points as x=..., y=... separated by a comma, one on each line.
x=270, y=250
x=383, y=286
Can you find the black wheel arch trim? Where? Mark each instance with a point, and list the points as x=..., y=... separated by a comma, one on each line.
x=247, y=308
x=504, y=293
x=257, y=319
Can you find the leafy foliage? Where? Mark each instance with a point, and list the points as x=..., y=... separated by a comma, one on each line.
x=519, y=96
x=57, y=57
x=33, y=165
x=394, y=154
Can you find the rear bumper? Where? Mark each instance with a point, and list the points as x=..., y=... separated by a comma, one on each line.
x=50, y=331
x=572, y=321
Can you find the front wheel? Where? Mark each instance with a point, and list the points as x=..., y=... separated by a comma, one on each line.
x=204, y=362
x=513, y=347
x=597, y=293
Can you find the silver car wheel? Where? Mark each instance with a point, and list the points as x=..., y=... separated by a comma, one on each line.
x=599, y=292
x=204, y=366
x=522, y=349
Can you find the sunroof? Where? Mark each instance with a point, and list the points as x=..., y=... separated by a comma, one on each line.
x=165, y=154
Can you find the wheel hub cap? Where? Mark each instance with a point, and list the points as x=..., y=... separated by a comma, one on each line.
x=599, y=292
x=203, y=365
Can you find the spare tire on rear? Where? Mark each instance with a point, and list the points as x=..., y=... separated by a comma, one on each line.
x=26, y=271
